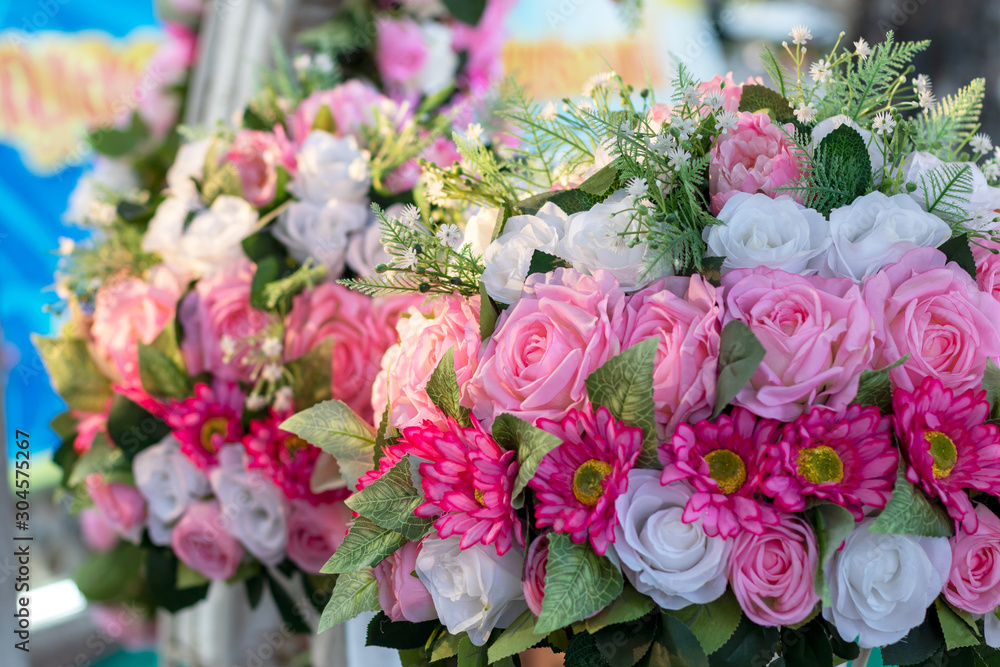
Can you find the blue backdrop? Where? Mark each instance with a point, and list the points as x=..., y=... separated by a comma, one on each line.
x=30, y=221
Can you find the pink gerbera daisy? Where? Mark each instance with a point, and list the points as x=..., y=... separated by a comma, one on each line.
x=467, y=480
x=577, y=482
x=846, y=458
x=206, y=421
x=947, y=445
x=286, y=459
x=723, y=460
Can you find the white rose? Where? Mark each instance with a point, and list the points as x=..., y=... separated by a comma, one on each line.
x=474, y=590
x=599, y=239
x=776, y=233
x=876, y=230
x=86, y=202
x=992, y=630
x=330, y=167
x=254, y=508
x=881, y=585
x=364, y=247
x=508, y=258
x=479, y=229
x=320, y=231
x=441, y=63
x=983, y=203
x=189, y=164
x=212, y=239
x=673, y=562
x=168, y=480
x=872, y=142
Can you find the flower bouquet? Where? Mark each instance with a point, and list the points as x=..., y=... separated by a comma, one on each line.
x=709, y=382
x=204, y=313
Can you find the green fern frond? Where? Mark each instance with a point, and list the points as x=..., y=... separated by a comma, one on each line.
x=775, y=70
x=947, y=191
x=946, y=128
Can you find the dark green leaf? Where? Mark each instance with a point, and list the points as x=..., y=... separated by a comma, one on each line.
x=832, y=525
x=132, y=428
x=750, y=645
x=582, y=652
x=400, y=636
x=470, y=655
x=365, y=545
x=807, y=646
x=679, y=643
x=842, y=170
x=255, y=590
x=601, y=181
x=624, y=385
x=578, y=583
x=875, y=387
x=114, y=142
x=311, y=375
x=442, y=388
x=910, y=512
x=629, y=606
x=269, y=269
x=761, y=98
x=570, y=201
x=957, y=250
x=289, y=610
x=161, y=574
x=921, y=643
x=104, y=576
x=160, y=375
x=530, y=442
x=625, y=644
x=713, y=623
x=991, y=385
x=740, y=353
x=390, y=500
x=842, y=648
x=466, y=11
x=103, y=459
x=543, y=262
x=487, y=313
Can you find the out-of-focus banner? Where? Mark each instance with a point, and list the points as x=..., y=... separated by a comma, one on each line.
x=57, y=87
x=556, y=45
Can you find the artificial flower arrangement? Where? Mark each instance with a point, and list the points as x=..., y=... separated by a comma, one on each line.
x=204, y=314
x=723, y=392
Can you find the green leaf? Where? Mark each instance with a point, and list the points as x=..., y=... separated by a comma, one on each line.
x=487, y=313
x=390, y=500
x=740, y=353
x=290, y=612
x=750, y=645
x=269, y=269
x=104, y=576
x=583, y=652
x=466, y=11
x=875, y=387
x=841, y=170
x=365, y=545
x=73, y=373
x=957, y=250
x=339, y=431
x=713, y=623
x=103, y=459
x=445, y=646
x=442, y=388
x=114, y=142
x=917, y=646
x=627, y=644
x=578, y=583
x=543, y=262
x=519, y=636
x=807, y=646
x=402, y=636
x=530, y=442
x=160, y=375
x=959, y=627
x=355, y=593
x=470, y=655
x=188, y=578
x=570, y=201
x=277, y=294
x=910, y=512
x=761, y=98
x=991, y=385
x=133, y=428
x=311, y=375
x=325, y=120
x=832, y=525
x=255, y=590
x=629, y=606
x=161, y=575
x=679, y=643
x=624, y=385
x=601, y=181
x=224, y=181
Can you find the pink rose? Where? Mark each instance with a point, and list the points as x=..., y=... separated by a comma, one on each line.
x=658, y=114
x=755, y=157
x=424, y=337
x=201, y=542
x=352, y=105
x=386, y=313
x=400, y=51
x=97, y=533
x=817, y=334
x=315, y=532
x=930, y=309
x=120, y=505
x=987, y=266
x=563, y=328
x=534, y=573
x=974, y=583
x=131, y=310
x=442, y=152
x=219, y=306
x=402, y=596
x=334, y=315
x=731, y=91
x=772, y=573
x=257, y=156
x=686, y=315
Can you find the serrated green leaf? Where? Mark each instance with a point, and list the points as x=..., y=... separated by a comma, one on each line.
x=875, y=387
x=311, y=375
x=354, y=593
x=365, y=545
x=959, y=627
x=289, y=611
x=918, y=645
x=339, y=431
x=714, y=623
x=910, y=512
x=578, y=583
x=442, y=388
x=624, y=385
x=543, y=262
x=629, y=606
x=531, y=444
x=570, y=201
x=841, y=170
x=601, y=181
x=160, y=375
x=390, y=500
x=761, y=98
x=519, y=636
x=740, y=353
x=73, y=373
x=470, y=655
x=680, y=645
x=991, y=385
x=487, y=313
x=832, y=525
x=445, y=646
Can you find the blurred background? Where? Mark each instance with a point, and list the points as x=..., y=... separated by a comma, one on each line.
x=71, y=67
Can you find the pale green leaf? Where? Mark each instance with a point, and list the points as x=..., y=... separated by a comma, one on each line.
x=832, y=525
x=160, y=375
x=73, y=373
x=339, y=431
x=713, y=624
x=910, y=512
x=354, y=593
x=629, y=606
x=365, y=545
x=578, y=583
x=443, y=390
x=519, y=636
x=531, y=444
x=390, y=500
x=959, y=627
x=740, y=353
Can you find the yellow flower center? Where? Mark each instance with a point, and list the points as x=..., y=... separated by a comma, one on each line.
x=294, y=444
x=727, y=469
x=211, y=427
x=588, y=481
x=820, y=465
x=943, y=451
x=479, y=497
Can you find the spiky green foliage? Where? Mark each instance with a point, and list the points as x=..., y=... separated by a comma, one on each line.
x=947, y=128
x=115, y=252
x=946, y=192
